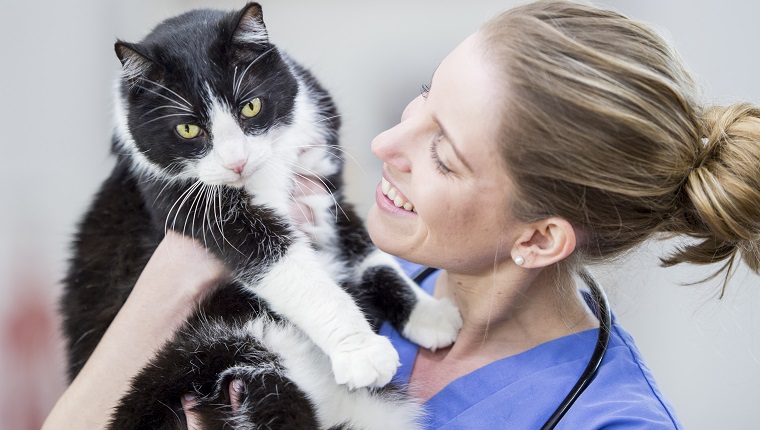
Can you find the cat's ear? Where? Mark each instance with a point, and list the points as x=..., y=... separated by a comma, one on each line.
x=250, y=29
x=134, y=65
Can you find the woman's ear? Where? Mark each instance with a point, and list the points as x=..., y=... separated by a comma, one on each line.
x=544, y=243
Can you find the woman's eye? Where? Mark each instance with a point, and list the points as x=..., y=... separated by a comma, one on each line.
x=188, y=131
x=436, y=158
x=252, y=108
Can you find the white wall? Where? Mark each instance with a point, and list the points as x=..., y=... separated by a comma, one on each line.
x=57, y=68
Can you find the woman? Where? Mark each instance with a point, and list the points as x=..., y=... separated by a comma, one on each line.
x=557, y=135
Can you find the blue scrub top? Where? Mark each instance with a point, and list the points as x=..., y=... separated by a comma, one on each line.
x=522, y=391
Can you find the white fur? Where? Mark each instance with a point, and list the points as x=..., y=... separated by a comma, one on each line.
x=133, y=67
x=296, y=286
x=310, y=369
x=433, y=323
x=298, y=283
x=252, y=31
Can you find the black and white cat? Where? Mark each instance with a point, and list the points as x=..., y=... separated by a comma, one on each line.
x=213, y=126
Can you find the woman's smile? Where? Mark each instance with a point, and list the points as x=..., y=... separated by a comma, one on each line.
x=395, y=196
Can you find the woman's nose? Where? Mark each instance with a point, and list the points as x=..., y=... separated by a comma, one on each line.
x=391, y=147
x=394, y=146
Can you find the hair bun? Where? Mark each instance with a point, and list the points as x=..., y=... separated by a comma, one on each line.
x=723, y=190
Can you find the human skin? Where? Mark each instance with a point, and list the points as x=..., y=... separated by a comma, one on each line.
x=175, y=279
x=462, y=225
x=178, y=275
x=443, y=160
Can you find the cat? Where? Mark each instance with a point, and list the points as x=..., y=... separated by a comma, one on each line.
x=213, y=126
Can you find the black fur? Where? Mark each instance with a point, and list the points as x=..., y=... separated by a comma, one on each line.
x=133, y=208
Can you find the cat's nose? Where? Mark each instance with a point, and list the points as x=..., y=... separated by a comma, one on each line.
x=237, y=166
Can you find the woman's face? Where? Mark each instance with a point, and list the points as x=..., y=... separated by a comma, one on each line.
x=443, y=198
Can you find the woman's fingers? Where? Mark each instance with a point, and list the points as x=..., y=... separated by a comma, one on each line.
x=237, y=391
x=188, y=402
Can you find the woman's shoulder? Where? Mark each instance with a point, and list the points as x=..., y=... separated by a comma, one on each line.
x=524, y=390
x=624, y=394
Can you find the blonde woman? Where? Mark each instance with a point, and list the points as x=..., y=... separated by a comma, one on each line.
x=556, y=136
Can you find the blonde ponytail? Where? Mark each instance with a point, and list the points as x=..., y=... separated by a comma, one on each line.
x=723, y=191
x=602, y=128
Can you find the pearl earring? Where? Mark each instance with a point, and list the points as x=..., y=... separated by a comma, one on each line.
x=519, y=260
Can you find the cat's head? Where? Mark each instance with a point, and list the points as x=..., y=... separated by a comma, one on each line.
x=205, y=96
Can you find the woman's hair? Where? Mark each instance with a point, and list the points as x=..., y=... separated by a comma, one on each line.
x=603, y=128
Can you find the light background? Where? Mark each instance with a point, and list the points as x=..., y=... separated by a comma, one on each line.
x=56, y=76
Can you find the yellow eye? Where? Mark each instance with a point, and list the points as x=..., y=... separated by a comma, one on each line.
x=188, y=131
x=252, y=108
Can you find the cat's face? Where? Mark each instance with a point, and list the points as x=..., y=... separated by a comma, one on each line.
x=206, y=97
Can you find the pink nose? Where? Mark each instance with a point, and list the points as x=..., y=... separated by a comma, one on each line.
x=236, y=167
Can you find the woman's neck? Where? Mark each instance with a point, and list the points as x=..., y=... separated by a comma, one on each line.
x=504, y=313
x=514, y=310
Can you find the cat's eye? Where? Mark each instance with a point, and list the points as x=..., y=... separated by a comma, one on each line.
x=252, y=108
x=188, y=131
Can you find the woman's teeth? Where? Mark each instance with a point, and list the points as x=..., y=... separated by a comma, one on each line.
x=393, y=194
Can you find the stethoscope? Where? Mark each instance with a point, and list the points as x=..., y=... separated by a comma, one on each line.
x=602, y=340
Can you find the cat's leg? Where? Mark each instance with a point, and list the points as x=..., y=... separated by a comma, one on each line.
x=427, y=321
x=336, y=406
x=277, y=263
x=297, y=287
x=339, y=232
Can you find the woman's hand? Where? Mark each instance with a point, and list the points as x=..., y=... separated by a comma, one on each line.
x=177, y=276
x=303, y=216
x=236, y=393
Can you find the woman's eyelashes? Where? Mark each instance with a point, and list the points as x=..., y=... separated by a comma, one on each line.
x=425, y=90
x=439, y=164
x=436, y=158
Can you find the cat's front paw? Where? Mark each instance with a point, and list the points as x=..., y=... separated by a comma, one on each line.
x=433, y=323
x=364, y=360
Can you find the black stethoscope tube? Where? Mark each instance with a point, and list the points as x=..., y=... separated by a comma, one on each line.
x=603, y=339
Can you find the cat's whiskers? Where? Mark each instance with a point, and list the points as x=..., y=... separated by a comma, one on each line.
x=181, y=201
x=220, y=220
x=166, y=183
x=187, y=104
x=164, y=107
x=332, y=195
x=323, y=119
x=166, y=116
x=328, y=149
x=218, y=211
x=205, y=191
x=325, y=148
x=323, y=182
x=171, y=409
x=242, y=75
x=192, y=211
x=326, y=183
x=253, y=90
x=178, y=104
x=210, y=193
x=293, y=198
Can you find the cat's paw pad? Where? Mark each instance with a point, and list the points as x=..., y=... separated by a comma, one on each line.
x=364, y=360
x=433, y=323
